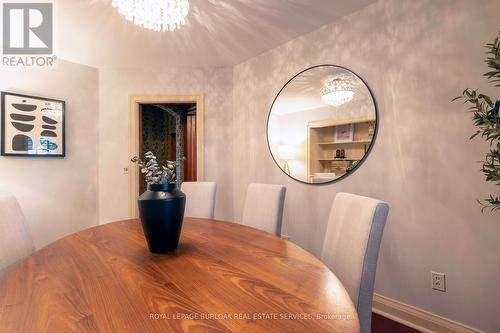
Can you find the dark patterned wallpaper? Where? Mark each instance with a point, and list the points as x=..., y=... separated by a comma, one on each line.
x=158, y=133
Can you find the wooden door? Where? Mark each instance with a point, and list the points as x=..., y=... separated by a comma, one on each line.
x=142, y=186
x=191, y=152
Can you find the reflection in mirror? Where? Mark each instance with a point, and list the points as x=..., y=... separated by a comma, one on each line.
x=322, y=124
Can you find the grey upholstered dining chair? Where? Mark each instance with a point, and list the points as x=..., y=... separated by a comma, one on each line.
x=200, y=199
x=264, y=207
x=15, y=237
x=351, y=247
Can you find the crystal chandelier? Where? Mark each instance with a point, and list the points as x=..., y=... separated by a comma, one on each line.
x=337, y=90
x=157, y=15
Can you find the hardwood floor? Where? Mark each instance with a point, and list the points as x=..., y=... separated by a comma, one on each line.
x=382, y=324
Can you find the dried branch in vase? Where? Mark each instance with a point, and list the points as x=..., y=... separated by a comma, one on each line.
x=154, y=173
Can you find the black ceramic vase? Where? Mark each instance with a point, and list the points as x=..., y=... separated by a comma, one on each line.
x=161, y=210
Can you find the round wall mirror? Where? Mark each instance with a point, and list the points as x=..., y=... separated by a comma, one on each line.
x=322, y=124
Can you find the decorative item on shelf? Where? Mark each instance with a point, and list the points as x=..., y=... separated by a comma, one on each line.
x=338, y=167
x=352, y=166
x=344, y=133
x=340, y=154
x=371, y=130
x=161, y=207
x=157, y=15
x=337, y=90
x=32, y=126
x=285, y=153
x=486, y=116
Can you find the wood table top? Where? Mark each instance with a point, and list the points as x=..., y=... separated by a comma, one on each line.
x=224, y=277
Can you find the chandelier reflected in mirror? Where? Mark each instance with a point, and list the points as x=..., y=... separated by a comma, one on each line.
x=337, y=90
x=157, y=15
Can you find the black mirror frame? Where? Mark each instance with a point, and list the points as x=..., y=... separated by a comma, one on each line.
x=377, y=121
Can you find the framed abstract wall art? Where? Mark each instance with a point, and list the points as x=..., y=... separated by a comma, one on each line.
x=32, y=126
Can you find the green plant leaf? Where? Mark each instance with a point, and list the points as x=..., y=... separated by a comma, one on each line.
x=474, y=135
x=485, y=116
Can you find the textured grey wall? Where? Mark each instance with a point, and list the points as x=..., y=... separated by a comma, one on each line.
x=416, y=56
x=58, y=196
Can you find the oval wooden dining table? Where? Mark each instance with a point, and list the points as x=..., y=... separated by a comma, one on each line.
x=224, y=277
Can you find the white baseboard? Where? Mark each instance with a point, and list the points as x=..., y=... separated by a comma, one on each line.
x=416, y=318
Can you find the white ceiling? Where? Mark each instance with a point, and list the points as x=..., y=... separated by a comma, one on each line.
x=217, y=32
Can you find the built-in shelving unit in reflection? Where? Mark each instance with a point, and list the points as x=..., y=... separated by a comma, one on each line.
x=343, y=143
x=323, y=144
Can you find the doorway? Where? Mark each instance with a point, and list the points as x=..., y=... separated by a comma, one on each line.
x=189, y=159
x=169, y=131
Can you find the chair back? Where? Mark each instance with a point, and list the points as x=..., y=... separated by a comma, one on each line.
x=15, y=238
x=264, y=207
x=200, y=199
x=351, y=247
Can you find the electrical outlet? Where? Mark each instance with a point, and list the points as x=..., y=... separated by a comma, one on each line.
x=438, y=281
